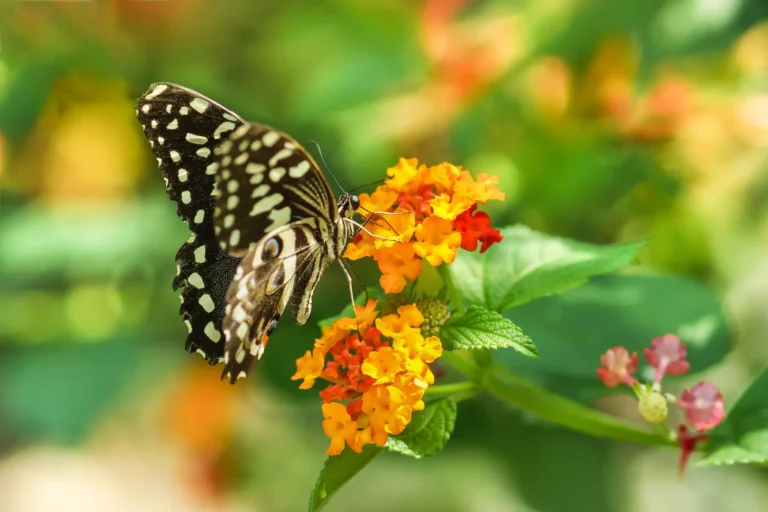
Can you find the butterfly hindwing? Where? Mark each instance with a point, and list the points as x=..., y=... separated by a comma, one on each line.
x=264, y=283
x=266, y=180
x=183, y=127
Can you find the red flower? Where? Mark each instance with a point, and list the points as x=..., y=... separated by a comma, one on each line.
x=703, y=405
x=476, y=228
x=618, y=366
x=667, y=355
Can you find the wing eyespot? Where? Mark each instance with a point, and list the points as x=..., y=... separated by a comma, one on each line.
x=272, y=248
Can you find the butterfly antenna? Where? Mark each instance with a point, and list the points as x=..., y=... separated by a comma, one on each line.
x=368, y=184
x=320, y=152
x=378, y=214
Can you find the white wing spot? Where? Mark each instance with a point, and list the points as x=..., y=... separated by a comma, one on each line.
x=232, y=202
x=153, y=123
x=207, y=302
x=240, y=354
x=299, y=170
x=203, y=152
x=270, y=138
x=289, y=145
x=242, y=146
x=241, y=158
x=238, y=313
x=183, y=175
x=200, y=253
x=211, y=169
x=242, y=330
x=195, y=280
x=226, y=160
x=240, y=131
x=189, y=325
x=145, y=108
x=277, y=174
x=184, y=111
x=241, y=375
x=168, y=108
x=279, y=217
x=223, y=127
x=234, y=237
x=186, y=197
x=260, y=191
x=232, y=186
x=283, y=153
x=256, y=145
x=199, y=104
x=266, y=204
x=160, y=89
x=229, y=116
x=212, y=332
x=229, y=220
x=175, y=156
x=256, y=179
x=199, y=216
x=161, y=140
x=225, y=174
x=196, y=139
x=253, y=168
x=173, y=124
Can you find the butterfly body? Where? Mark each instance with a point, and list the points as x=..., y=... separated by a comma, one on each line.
x=264, y=222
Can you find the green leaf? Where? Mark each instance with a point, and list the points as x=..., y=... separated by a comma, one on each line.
x=572, y=330
x=428, y=432
x=527, y=265
x=347, y=312
x=337, y=471
x=479, y=328
x=742, y=437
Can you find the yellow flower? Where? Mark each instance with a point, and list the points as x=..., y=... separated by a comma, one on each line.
x=338, y=425
x=403, y=177
x=411, y=315
x=365, y=315
x=394, y=228
x=309, y=367
x=413, y=346
x=437, y=241
x=482, y=190
x=449, y=207
x=442, y=176
x=413, y=389
x=381, y=200
x=383, y=365
x=394, y=326
x=386, y=411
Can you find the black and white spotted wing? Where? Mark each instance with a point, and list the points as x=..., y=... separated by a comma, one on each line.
x=266, y=180
x=183, y=127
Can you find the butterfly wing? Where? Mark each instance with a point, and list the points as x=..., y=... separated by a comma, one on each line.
x=266, y=180
x=271, y=198
x=268, y=277
x=183, y=127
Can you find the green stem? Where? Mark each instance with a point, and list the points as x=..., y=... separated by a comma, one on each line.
x=526, y=396
x=451, y=389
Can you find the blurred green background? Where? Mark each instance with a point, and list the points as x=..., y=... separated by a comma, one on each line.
x=606, y=121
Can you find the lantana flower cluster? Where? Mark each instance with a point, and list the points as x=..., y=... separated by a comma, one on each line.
x=433, y=213
x=377, y=370
x=702, y=404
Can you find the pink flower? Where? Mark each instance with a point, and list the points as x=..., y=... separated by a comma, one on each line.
x=617, y=367
x=667, y=355
x=703, y=405
x=687, y=442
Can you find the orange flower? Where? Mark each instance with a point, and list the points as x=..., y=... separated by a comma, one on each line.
x=437, y=241
x=396, y=263
x=376, y=383
x=437, y=198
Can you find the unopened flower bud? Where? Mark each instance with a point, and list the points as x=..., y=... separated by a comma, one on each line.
x=435, y=313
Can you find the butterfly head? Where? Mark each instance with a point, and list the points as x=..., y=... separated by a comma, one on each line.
x=348, y=205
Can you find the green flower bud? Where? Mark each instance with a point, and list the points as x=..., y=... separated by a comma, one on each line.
x=435, y=313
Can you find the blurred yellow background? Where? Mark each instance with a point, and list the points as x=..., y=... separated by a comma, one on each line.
x=605, y=120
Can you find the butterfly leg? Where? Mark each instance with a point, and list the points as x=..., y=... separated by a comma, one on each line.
x=352, y=291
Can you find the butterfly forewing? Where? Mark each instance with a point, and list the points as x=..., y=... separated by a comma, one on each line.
x=183, y=127
x=266, y=180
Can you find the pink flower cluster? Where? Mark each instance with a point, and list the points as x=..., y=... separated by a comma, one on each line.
x=702, y=404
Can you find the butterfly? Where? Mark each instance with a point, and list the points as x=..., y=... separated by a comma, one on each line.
x=264, y=223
